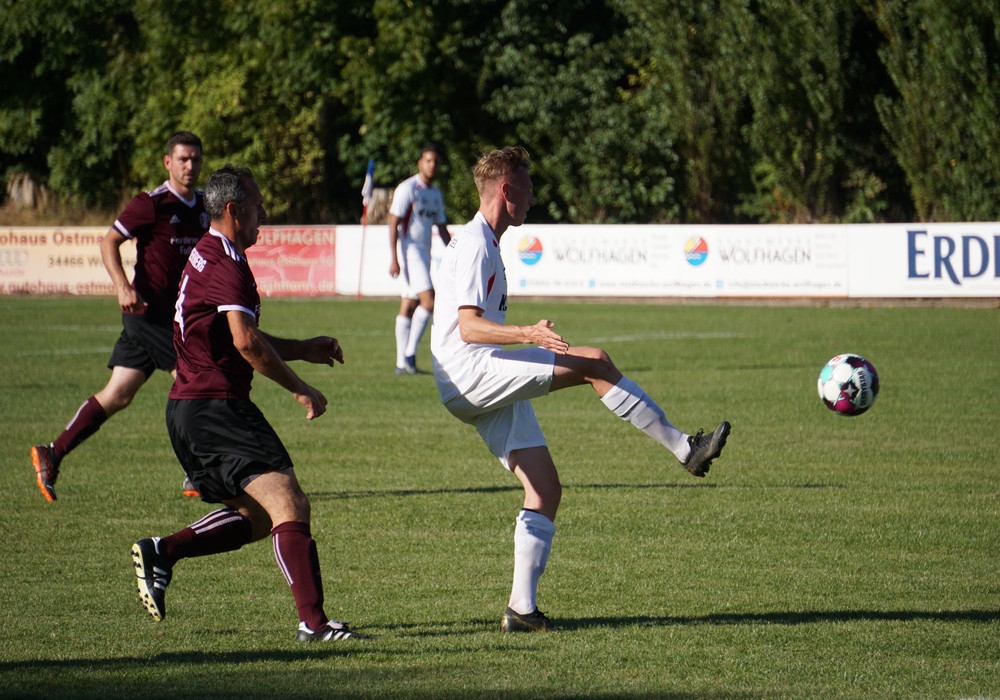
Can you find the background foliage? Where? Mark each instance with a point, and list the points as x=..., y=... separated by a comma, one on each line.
x=644, y=111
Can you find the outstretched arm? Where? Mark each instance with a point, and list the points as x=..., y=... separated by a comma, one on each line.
x=321, y=350
x=476, y=329
x=254, y=346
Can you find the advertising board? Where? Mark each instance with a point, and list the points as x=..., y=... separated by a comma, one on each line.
x=937, y=260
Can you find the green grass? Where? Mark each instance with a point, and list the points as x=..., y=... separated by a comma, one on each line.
x=822, y=556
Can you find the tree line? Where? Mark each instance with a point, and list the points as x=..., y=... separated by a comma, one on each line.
x=636, y=111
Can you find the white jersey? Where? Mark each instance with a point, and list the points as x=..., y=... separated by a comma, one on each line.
x=419, y=207
x=472, y=273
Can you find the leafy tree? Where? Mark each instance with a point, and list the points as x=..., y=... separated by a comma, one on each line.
x=944, y=59
x=796, y=87
x=564, y=80
x=690, y=85
x=255, y=82
x=53, y=76
x=634, y=110
x=875, y=188
x=411, y=78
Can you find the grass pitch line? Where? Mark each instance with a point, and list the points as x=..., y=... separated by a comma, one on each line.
x=666, y=335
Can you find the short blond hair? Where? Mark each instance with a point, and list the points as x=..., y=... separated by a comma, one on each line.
x=496, y=164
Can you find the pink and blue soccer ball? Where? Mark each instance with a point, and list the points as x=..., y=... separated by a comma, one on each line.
x=848, y=384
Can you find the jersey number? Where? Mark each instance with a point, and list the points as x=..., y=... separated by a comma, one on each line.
x=179, y=305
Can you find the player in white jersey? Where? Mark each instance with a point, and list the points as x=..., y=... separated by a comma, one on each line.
x=490, y=388
x=417, y=208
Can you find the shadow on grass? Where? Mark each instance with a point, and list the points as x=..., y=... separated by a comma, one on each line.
x=319, y=496
x=806, y=617
x=375, y=493
x=169, y=662
x=193, y=658
x=486, y=626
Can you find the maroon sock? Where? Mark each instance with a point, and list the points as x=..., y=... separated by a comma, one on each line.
x=88, y=420
x=222, y=530
x=295, y=550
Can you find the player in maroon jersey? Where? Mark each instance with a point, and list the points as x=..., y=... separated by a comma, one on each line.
x=165, y=224
x=222, y=440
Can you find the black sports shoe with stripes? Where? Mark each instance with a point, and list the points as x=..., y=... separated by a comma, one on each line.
x=332, y=631
x=152, y=576
x=705, y=448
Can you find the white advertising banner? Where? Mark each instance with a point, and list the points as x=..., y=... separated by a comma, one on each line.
x=363, y=261
x=840, y=261
x=925, y=260
x=704, y=261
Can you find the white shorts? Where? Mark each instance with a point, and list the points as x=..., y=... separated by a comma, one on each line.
x=499, y=403
x=414, y=271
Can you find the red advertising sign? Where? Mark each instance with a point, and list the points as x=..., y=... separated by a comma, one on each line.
x=295, y=261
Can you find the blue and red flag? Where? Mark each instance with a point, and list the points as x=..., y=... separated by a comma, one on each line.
x=368, y=188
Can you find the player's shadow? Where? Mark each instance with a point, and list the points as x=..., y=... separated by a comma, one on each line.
x=380, y=493
x=189, y=658
x=785, y=618
x=478, y=626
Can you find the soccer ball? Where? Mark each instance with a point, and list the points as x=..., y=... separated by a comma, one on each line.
x=848, y=384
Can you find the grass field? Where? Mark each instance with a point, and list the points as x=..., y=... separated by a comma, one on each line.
x=821, y=557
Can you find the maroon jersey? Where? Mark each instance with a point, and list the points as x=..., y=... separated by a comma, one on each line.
x=216, y=280
x=165, y=229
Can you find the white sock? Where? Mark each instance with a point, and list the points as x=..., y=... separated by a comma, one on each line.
x=417, y=326
x=629, y=402
x=402, y=335
x=532, y=543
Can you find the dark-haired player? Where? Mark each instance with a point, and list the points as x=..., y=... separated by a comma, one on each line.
x=226, y=446
x=417, y=207
x=165, y=224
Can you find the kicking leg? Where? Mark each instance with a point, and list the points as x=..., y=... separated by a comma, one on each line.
x=627, y=400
